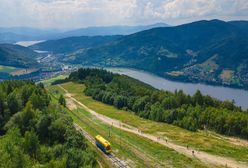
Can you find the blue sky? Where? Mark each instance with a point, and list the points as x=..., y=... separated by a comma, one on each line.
x=68, y=14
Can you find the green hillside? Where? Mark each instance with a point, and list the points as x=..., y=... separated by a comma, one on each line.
x=17, y=56
x=71, y=44
x=194, y=47
x=189, y=112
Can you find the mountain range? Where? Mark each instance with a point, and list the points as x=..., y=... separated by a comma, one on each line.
x=16, y=34
x=204, y=51
x=71, y=44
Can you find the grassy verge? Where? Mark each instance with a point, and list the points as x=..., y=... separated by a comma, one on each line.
x=201, y=140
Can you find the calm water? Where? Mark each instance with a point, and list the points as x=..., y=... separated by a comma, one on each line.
x=28, y=43
x=223, y=93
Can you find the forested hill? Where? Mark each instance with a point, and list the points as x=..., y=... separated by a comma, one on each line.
x=205, y=51
x=37, y=132
x=72, y=44
x=18, y=56
x=189, y=112
x=243, y=25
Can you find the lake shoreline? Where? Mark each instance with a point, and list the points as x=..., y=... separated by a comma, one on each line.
x=216, y=91
x=174, y=79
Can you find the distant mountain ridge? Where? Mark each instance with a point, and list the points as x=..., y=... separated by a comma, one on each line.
x=71, y=44
x=15, y=34
x=211, y=51
x=111, y=30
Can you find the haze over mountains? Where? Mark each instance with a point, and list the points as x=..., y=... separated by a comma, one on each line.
x=13, y=35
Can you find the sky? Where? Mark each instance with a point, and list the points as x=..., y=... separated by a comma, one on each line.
x=69, y=14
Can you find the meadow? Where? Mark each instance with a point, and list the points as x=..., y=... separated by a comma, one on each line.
x=137, y=151
x=207, y=141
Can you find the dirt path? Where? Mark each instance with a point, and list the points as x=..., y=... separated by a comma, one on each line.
x=69, y=102
x=202, y=156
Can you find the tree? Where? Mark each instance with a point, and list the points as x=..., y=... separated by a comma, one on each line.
x=169, y=103
x=58, y=129
x=74, y=139
x=119, y=102
x=43, y=128
x=31, y=144
x=156, y=112
x=198, y=98
x=11, y=152
x=2, y=113
x=140, y=103
x=62, y=100
x=13, y=102
x=26, y=93
x=39, y=99
x=27, y=118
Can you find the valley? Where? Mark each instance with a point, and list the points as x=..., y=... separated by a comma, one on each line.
x=198, y=52
x=123, y=84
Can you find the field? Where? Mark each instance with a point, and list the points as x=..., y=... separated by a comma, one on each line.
x=200, y=140
x=23, y=72
x=137, y=151
x=47, y=82
x=7, y=69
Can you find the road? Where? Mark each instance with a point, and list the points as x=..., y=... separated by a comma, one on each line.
x=202, y=156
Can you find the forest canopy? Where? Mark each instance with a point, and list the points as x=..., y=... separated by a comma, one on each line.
x=36, y=132
x=189, y=112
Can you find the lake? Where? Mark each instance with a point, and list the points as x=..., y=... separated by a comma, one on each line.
x=28, y=43
x=222, y=93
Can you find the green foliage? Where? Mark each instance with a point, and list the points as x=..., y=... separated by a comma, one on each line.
x=17, y=56
x=189, y=112
x=31, y=144
x=14, y=103
x=62, y=100
x=36, y=132
x=11, y=152
x=70, y=44
x=171, y=49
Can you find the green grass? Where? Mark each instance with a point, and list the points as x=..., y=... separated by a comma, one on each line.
x=48, y=82
x=128, y=146
x=7, y=69
x=204, y=141
x=139, y=151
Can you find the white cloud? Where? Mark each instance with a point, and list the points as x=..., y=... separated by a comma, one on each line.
x=81, y=13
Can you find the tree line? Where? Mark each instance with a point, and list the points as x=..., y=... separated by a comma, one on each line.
x=36, y=132
x=189, y=112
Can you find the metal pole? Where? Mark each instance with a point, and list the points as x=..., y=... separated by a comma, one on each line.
x=120, y=134
x=109, y=130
